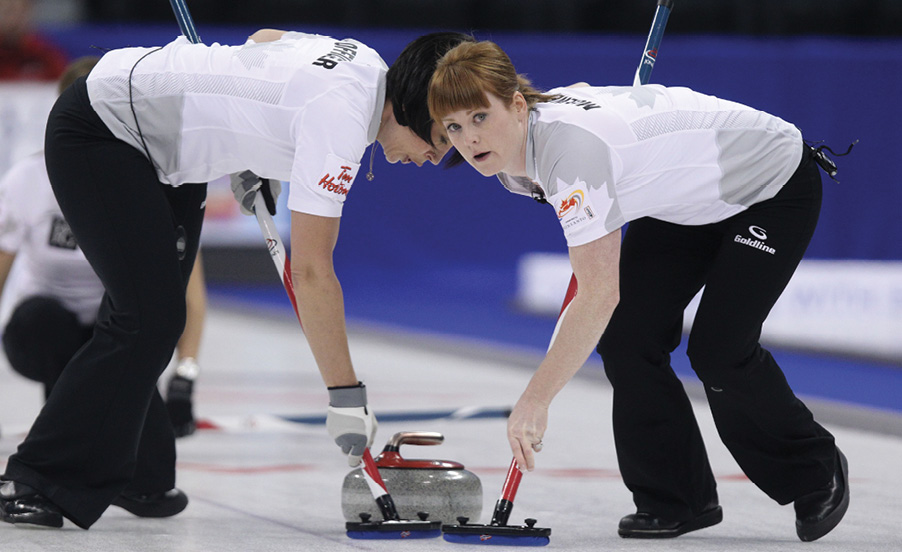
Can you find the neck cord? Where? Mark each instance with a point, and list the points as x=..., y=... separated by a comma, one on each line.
x=369, y=175
x=131, y=104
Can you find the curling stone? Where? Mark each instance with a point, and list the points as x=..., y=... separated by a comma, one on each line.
x=441, y=488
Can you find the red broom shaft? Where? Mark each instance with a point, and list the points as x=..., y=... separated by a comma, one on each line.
x=572, y=288
x=380, y=491
x=289, y=289
x=511, y=482
x=506, y=503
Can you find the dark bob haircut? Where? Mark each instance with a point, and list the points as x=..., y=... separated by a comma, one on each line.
x=407, y=81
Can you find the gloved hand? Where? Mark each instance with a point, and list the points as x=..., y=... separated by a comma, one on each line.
x=350, y=421
x=245, y=186
x=179, y=397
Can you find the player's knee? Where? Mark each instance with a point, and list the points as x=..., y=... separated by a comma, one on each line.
x=37, y=331
x=718, y=358
x=621, y=351
x=704, y=352
x=147, y=325
x=615, y=345
x=166, y=321
x=39, y=313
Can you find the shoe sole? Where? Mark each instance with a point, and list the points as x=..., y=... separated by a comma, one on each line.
x=32, y=526
x=707, y=519
x=816, y=531
x=167, y=508
x=33, y=521
x=47, y=518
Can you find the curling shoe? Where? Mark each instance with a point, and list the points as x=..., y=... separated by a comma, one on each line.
x=819, y=512
x=643, y=525
x=157, y=505
x=22, y=504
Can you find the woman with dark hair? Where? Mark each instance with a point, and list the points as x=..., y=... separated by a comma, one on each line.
x=124, y=150
x=717, y=195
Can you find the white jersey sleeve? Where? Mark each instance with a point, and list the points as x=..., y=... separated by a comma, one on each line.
x=12, y=227
x=581, y=185
x=332, y=138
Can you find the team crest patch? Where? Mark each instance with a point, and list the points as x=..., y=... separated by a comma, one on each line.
x=572, y=205
x=60, y=234
x=337, y=176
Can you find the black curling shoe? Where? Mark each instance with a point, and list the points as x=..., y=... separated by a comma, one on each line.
x=155, y=505
x=819, y=512
x=643, y=525
x=22, y=504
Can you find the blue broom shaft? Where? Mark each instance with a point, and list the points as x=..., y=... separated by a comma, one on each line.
x=642, y=76
x=186, y=24
x=655, y=35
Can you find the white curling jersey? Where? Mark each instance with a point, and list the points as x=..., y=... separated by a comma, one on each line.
x=300, y=109
x=48, y=259
x=603, y=156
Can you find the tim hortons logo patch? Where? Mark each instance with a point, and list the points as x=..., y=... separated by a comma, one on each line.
x=337, y=176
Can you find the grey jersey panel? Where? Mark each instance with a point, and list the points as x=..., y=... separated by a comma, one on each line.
x=567, y=154
x=742, y=183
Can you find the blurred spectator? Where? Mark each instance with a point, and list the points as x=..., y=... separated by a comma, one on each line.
x=24, y=53
x=57, y=293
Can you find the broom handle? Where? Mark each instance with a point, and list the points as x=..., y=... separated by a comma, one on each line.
x=643, y=74
x=506, y=503
x=274, y=243
x=377, y=487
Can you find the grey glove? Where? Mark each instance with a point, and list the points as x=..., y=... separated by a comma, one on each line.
x=179, y=392
x=245, y=186
x=350, y=422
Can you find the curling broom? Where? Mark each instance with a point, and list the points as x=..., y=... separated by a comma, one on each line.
x=643, y=74
x=498, y=532
x=392, y=526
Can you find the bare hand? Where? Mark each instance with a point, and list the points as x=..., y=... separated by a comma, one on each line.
x=525, y=429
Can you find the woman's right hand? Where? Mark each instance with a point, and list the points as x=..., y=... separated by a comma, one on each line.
x=525, y=430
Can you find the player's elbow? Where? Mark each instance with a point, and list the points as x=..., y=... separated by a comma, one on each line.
x=601, y=294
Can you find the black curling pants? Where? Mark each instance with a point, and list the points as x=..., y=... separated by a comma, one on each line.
x=744, y=263
x=40, y=338
x=104, y=428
